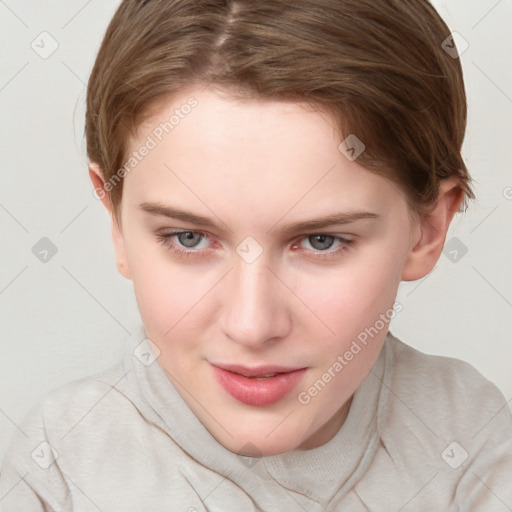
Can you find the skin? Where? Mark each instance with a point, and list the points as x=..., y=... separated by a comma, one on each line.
x=254, y=167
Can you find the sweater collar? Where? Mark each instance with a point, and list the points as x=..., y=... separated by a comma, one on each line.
x=323, y=473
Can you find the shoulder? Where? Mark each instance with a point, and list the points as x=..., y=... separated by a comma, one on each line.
x=75, y=414
x=440, y=421
x=92, y=410
x=90, y=435
x=60, y=407
x=447, y=409
x=85, y=391
x=40, y=447
x=440, y=382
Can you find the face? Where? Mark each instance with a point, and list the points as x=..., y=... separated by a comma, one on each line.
x=258, y=282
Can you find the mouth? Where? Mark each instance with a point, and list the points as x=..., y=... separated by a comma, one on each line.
x=258, y=372
x=260, y=386
x=262, y=376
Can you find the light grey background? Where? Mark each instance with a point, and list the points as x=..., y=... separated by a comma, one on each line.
x=69, y=316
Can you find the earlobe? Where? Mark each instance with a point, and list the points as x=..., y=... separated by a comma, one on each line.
x=433, y=226
x=120, y=249
x=117, y=235
x=98, y=183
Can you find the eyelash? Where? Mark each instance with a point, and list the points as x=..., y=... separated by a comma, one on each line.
x=166, y=238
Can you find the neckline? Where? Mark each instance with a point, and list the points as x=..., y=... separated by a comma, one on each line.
x=321, y=473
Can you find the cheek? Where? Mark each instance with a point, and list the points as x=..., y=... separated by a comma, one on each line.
x=166, y=291
x=352, y=296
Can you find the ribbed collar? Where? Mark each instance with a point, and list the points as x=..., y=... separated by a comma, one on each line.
x=322, y=473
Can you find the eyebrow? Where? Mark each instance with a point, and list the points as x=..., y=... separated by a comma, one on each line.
x=158, y=209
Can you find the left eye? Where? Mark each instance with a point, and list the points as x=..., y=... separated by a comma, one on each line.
x=189, y=238
x=321, y=242
x=186, y=239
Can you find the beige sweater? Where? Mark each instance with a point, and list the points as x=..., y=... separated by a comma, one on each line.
x=424, y=433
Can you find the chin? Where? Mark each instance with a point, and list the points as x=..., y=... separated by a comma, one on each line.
x=259, y=446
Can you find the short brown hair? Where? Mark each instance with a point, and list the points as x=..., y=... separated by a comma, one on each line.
x=377, y=65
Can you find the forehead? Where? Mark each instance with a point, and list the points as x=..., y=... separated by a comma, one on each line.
x=255, y=154
x=213, y=117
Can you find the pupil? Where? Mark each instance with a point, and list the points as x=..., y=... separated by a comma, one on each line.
x=325, y=241
x=189, y=237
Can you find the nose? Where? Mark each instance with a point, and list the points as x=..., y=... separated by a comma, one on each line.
x=255, y=310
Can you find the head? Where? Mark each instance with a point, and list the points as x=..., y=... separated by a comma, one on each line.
x=240, y=125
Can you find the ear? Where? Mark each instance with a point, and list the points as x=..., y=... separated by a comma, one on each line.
x=98, y=182
x=431, y=231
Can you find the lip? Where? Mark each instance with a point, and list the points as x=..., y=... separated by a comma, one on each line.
x=255, y=371
x=237, y=381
